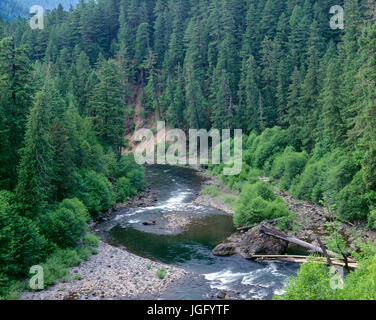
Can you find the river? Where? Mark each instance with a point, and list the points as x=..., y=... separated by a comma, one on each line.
x=191, y=248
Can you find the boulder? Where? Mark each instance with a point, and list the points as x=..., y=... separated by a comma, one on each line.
x=225, y=249
x=149, y=223
x=250, y=244
x=222, y=295
x=257, y=243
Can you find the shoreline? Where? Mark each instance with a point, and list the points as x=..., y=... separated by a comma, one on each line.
x=112, y=274
x=310, y=217
x=217, y=201
x=117, y=274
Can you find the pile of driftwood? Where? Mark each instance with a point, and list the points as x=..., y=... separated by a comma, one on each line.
x=332, y=258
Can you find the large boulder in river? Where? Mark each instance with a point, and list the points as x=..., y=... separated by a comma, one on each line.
x=258, y=243
x=229, y=246
x=251, y=243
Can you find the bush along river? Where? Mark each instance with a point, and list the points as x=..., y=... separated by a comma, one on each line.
x=178, y=232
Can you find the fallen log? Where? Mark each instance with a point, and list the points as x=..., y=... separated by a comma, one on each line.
x=300, y=259
x=281, y=235
x=254, y=225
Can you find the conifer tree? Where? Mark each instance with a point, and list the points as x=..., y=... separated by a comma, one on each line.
x=16, y=93
x=34, y=188
x=107, y=104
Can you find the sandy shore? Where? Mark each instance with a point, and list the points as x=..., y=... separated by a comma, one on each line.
x=112, y=274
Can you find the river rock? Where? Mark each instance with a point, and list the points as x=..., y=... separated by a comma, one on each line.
x=149, y=223
x=257, y=243
x=250, y=244
x=221, y=295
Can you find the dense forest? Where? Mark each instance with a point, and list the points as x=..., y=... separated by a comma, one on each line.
x=10, y=9
x=303, y=94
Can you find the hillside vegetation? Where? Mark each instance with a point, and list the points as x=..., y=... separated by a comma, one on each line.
x=302, y=93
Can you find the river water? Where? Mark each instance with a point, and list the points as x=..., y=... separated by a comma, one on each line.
x=191, y=248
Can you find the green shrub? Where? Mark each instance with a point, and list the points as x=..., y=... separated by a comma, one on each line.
x=21, y=244
x=254, y=175
x=266, y=146
x=369, y=167
x=69, y=257
x=161, y=273
x=303, y=185
x=4, y=284
x=353, y=200
x=211, y=191
x=285, y=223
x=337, y=178
x=77, y=277
x=124, y=189
x=98, y=194
x=372, y=220
x=54, y=269
x=263, y=190
x=77, y=207
x=289, y=165
x=128, y=168
x=84, y=253
x=311, y=283
x=258, y=203
x=360, y=284
x=66, y=225
x=91, y=240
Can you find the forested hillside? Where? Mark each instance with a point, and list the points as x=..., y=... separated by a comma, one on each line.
x=10, y=9
x=303, y=94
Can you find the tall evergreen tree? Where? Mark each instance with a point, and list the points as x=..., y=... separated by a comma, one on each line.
x=16, y=93
x=107, y=103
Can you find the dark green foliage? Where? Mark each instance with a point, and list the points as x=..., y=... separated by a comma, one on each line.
x=35, y=169
x=67, y=96
x=91, y=240
x=107, y=106
x=353, y=202
x=257, y=203
x=323, y=179
x=129, y=169
x=16, y=93
x=288, y=165
x=266, y=146
x=124, y=189
x=97, y=192
x=21, y=244
x=66, y=225
x=372, y=220
x=313, y=282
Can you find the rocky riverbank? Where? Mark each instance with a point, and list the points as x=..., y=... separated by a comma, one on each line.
x=218, y=201
x=310, y=220
x=313, y=220
x=112, y=274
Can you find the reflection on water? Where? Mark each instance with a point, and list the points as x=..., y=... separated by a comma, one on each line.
x=191, y=248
